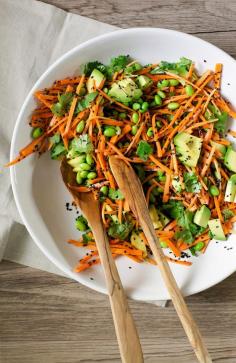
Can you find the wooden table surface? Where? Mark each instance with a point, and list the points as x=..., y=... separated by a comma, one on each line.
x=45, y=318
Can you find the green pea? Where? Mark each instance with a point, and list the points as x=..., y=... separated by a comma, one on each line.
x=79, y=180
x=83, y=174
x=137, y=66
x=174, y=82
x=199, y=246
x=134, y=129
x=214, y=191
x=189, y=90
x=82, y=91
x=89, y=159
x=158, y=100
x=163, y=244
x=80, y=126
x=105, y=90
x=135, y=117
x=161, y=94
x=152, y=198
x=85, y=166
x=122, y=115
x=37, y=131
x=109, y=131
x=80, y=225
x=104, y=189
x=150, y=132
x=92, y=175
x=145, y=106
x=136, y=106
x=173, y=105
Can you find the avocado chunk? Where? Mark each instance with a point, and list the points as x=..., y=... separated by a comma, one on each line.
x=144, y=82
x=230, y=159
x=188, y=147
x=155, y=217
x=216, y=229
x=202, y=216
x=95, y=80
x=138, y=242
x=125, y=91
x=230, y=192
x=164, y=220
x=221, y=148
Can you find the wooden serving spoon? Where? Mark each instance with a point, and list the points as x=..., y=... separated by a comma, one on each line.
x=127, y=336
x=132, y=190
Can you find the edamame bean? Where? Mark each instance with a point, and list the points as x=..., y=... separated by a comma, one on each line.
x=109, y=131
x=137, y=66
x=135, y=117
x=89, y=159
x=79, y=180
x=163, y=84
x=83, y=174
x=173, y=105
x=37, y=131
x=80, y=126
x=199, y=246
x=189, y=90
x=174, y=82
x=122, y=115
x=150, y=132
x=80, y=225
x=145, y=106
x=92, y=175
x=136, y=106
x=214, y=191
x=85, y=166
x=158, y=100
x=134, y=129
x=161, y=94
x=104, y=189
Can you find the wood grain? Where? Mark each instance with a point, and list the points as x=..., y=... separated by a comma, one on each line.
x=132, y=190
x=126, y=331
x=46, y=318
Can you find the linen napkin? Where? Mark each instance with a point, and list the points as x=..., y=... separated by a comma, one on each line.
x=32, y=36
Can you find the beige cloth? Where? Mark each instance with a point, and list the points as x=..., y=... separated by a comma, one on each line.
x=32, y=36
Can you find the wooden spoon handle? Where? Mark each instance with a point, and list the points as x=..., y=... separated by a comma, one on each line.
x=127, y=336
x=132, y=189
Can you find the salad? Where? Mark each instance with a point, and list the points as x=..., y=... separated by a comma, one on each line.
x=166, y=120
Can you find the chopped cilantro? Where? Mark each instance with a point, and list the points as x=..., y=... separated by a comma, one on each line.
x=120, y=230
x=85, y=102
x=61, y=107
x=80, y=145
x=227, y=213
x=144, y=150
x=55, y=139
x=191, y=183
x=115, y=194
x=222, y=117
x=89, y=67
x=57, y=151
x=180, y=68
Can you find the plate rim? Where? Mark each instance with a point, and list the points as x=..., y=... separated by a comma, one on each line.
x=111, y=34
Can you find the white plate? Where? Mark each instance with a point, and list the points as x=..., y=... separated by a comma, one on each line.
x=41, y=196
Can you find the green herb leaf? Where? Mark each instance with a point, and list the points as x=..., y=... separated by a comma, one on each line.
x=191, y=183
x=227, y=213
x=55, y=139
x=185, y=235
x=89, y=67
x=115, y=194
x=144, y=150
x=120, y=230
x=222, y=117
x=86, y=238
x=181, y=68
x=85, y=102
x=57, y=151
x=61, y=107
x=80, y=145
